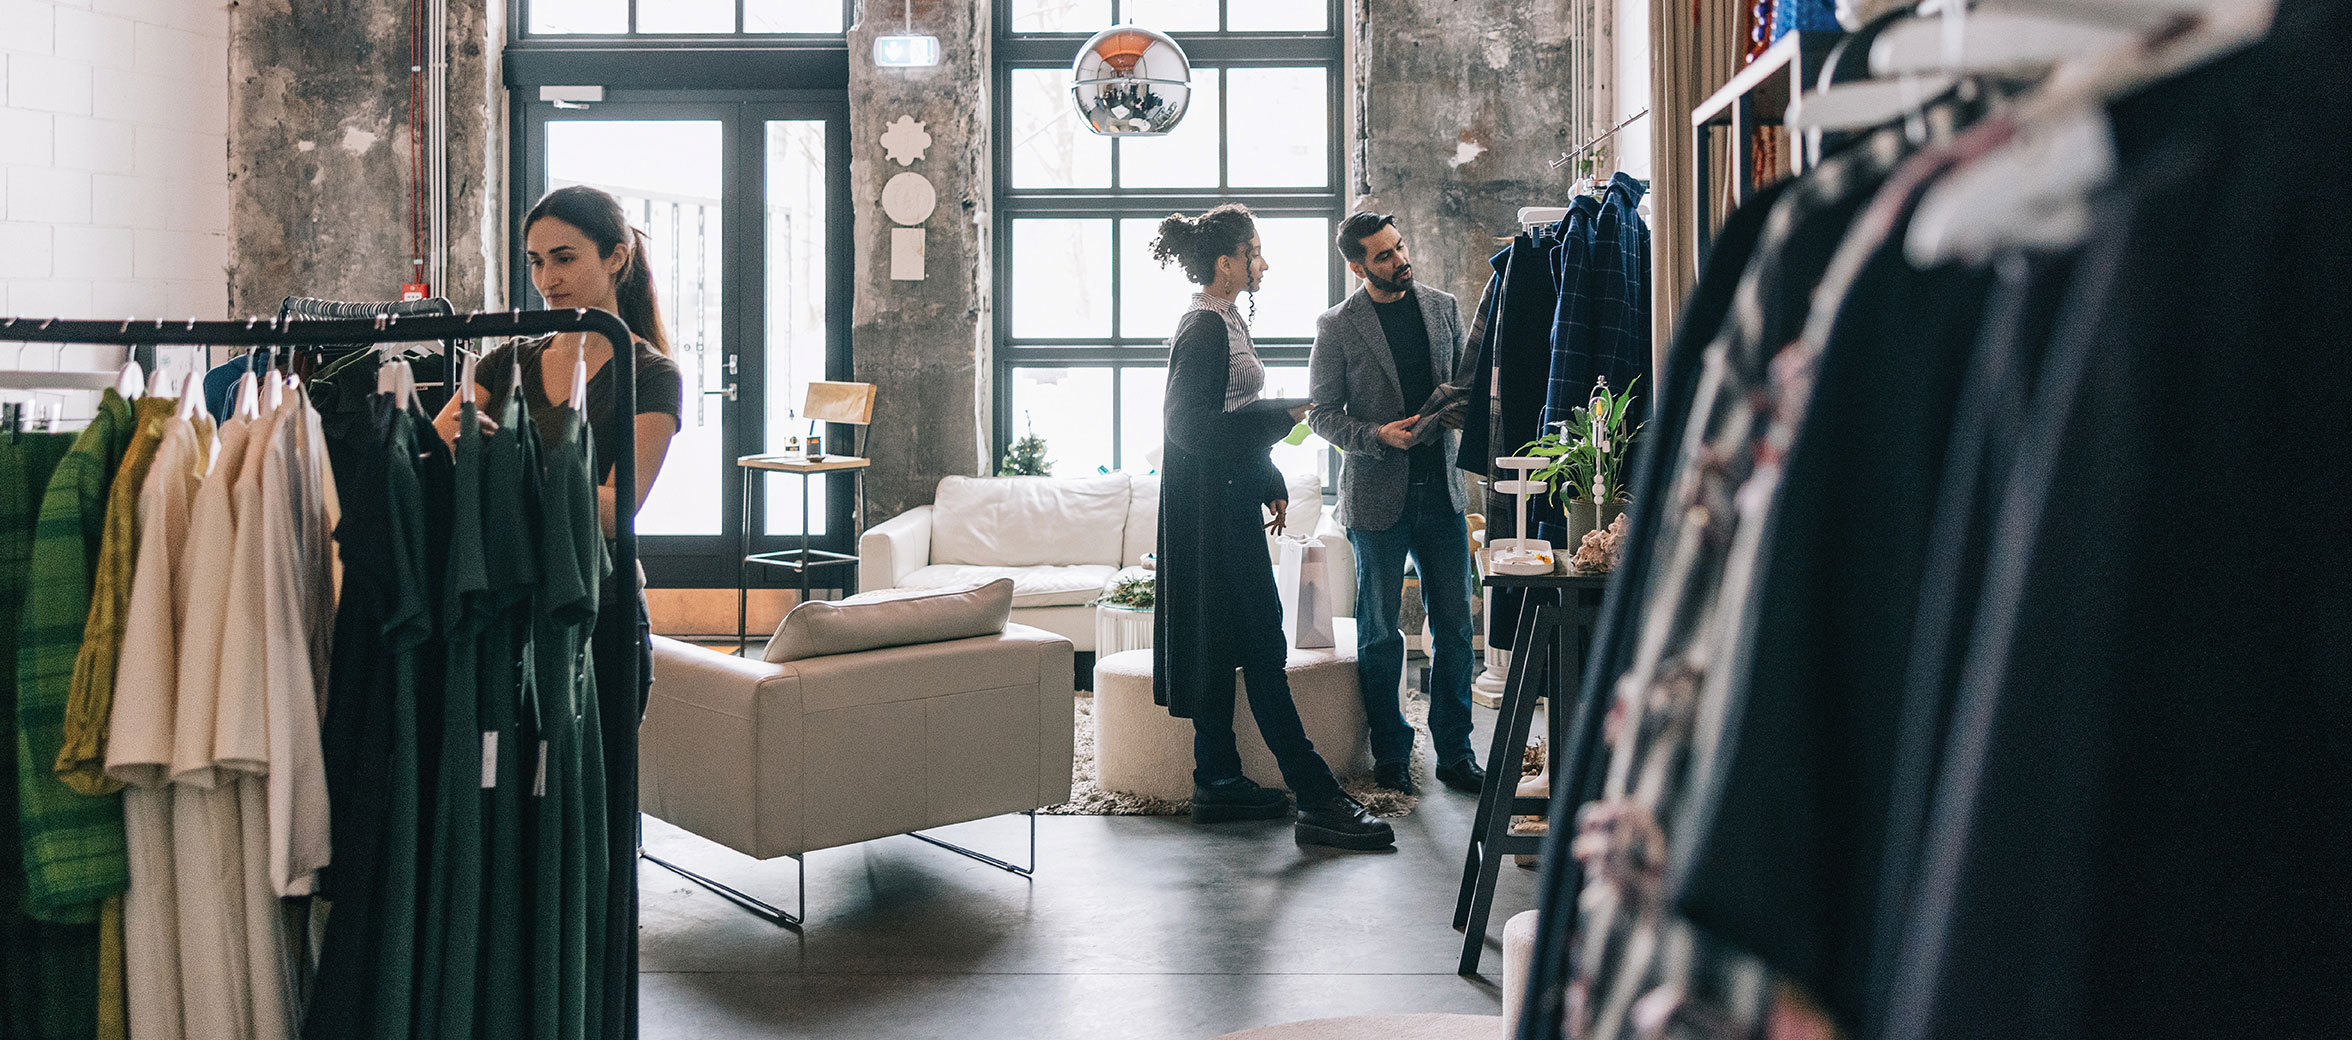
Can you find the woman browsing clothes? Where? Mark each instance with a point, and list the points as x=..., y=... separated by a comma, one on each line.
x=1216, y=605
x=584, y=253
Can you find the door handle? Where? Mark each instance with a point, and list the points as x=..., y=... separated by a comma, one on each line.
x=729, y=392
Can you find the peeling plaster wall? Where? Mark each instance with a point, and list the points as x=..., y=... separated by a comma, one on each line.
x=320, y=152
x=1461, y=108
x=924, y=344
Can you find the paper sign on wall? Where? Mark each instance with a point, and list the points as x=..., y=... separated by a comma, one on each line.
x=906, y=254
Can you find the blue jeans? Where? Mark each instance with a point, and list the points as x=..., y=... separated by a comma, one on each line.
x=1438, y=539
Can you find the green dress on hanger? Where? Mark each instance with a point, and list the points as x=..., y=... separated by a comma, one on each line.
x=449, y=944
x=569, y=873
x=510, y=514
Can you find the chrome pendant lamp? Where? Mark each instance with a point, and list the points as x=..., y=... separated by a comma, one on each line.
x=1129, y=81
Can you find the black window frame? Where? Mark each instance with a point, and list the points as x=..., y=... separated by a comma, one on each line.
x=1120, y=352
x=519, y=11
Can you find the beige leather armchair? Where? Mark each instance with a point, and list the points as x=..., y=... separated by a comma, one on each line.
x=781, y=759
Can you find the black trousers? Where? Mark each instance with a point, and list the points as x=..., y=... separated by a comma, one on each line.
x=1255, y=627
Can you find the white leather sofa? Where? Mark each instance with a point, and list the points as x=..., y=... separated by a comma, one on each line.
x=777, y=759
x=1059, y=540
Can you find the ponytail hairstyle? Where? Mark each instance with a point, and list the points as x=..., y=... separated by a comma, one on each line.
x=598, y=215
x=1197, y=242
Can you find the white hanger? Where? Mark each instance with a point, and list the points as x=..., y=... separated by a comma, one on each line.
x=1989, y=41
x=2033, y=191
x=249, y=395
x=191, y=396
x=404, y=393
x=579, y=398
x=276, y=391
x=155, y=382
x=2130, y=14
x=1865, y=104
x=132, y=383
x=1536, y=216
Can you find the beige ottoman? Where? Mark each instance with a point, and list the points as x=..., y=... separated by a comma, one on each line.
x=1140, y=749
x=1518, y=961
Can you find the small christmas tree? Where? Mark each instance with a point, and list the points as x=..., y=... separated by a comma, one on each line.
x=1026, y=458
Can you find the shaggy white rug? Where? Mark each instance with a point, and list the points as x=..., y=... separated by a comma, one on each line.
x=1381, y=1027
x=1087, y=798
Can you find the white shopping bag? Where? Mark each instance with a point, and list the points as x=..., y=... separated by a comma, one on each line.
x=1306, y=592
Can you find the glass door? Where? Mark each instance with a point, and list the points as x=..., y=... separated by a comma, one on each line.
x=741, y=203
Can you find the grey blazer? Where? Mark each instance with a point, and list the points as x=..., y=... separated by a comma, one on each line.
x=1353, y=379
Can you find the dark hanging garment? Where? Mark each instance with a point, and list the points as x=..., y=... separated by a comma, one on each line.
x=357, y=733
x=2137, y=834
x=1611, y=650
x=1782, y=852
x=512, y=528
x=1632, y=955
x=1520, y=347
x=1479, y=418
x=570, y=868
x=1601, y=319
x=1568, y=377
x=450, y=933
x=1994, y=411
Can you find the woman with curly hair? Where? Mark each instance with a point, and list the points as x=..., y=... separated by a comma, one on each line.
x=1216, y=608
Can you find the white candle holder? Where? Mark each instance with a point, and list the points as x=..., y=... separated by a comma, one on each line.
x=1522, y=556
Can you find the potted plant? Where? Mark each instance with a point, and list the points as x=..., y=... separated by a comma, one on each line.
x=1026, y=458
x=1133, y=592
x=1587, y=452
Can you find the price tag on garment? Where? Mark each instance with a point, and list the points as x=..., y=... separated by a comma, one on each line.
x=539, y=778
x=489, y=759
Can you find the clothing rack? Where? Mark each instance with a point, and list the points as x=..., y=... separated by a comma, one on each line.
x=1572, y=154
x=390, y=328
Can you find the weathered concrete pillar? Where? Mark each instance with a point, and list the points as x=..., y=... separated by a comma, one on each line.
x=1463, y=107
x=925, y=344
x=320, y=156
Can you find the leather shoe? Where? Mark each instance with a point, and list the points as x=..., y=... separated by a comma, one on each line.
x=1340, y=822
x=1395, y=776
x=1464, y=776
x=1237, y=798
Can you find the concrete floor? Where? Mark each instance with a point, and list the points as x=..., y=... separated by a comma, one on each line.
x=1142, y=928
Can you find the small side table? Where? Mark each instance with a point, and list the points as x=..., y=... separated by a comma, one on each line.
x=1121, y=628
x=803, y=559
x=1547, y=662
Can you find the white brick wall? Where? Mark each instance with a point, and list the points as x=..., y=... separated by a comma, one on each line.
x=114, y=196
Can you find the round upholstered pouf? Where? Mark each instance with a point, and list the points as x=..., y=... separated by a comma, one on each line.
x=1381, y=1027
x=1518, y=960
x=1140, y=749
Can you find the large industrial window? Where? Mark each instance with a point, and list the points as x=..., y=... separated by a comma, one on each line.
x=1083, y=313
x=683, y=17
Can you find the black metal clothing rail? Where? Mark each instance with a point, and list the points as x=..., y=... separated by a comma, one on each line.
x=389, y=328
x=259, y=332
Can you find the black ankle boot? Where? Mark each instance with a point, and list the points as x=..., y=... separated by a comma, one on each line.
x=1341, y=823
x=1237, y=798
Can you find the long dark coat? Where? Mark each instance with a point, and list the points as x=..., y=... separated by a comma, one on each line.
x=1215, y=474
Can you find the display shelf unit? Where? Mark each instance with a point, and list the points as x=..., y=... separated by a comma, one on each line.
x=1758, y=96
